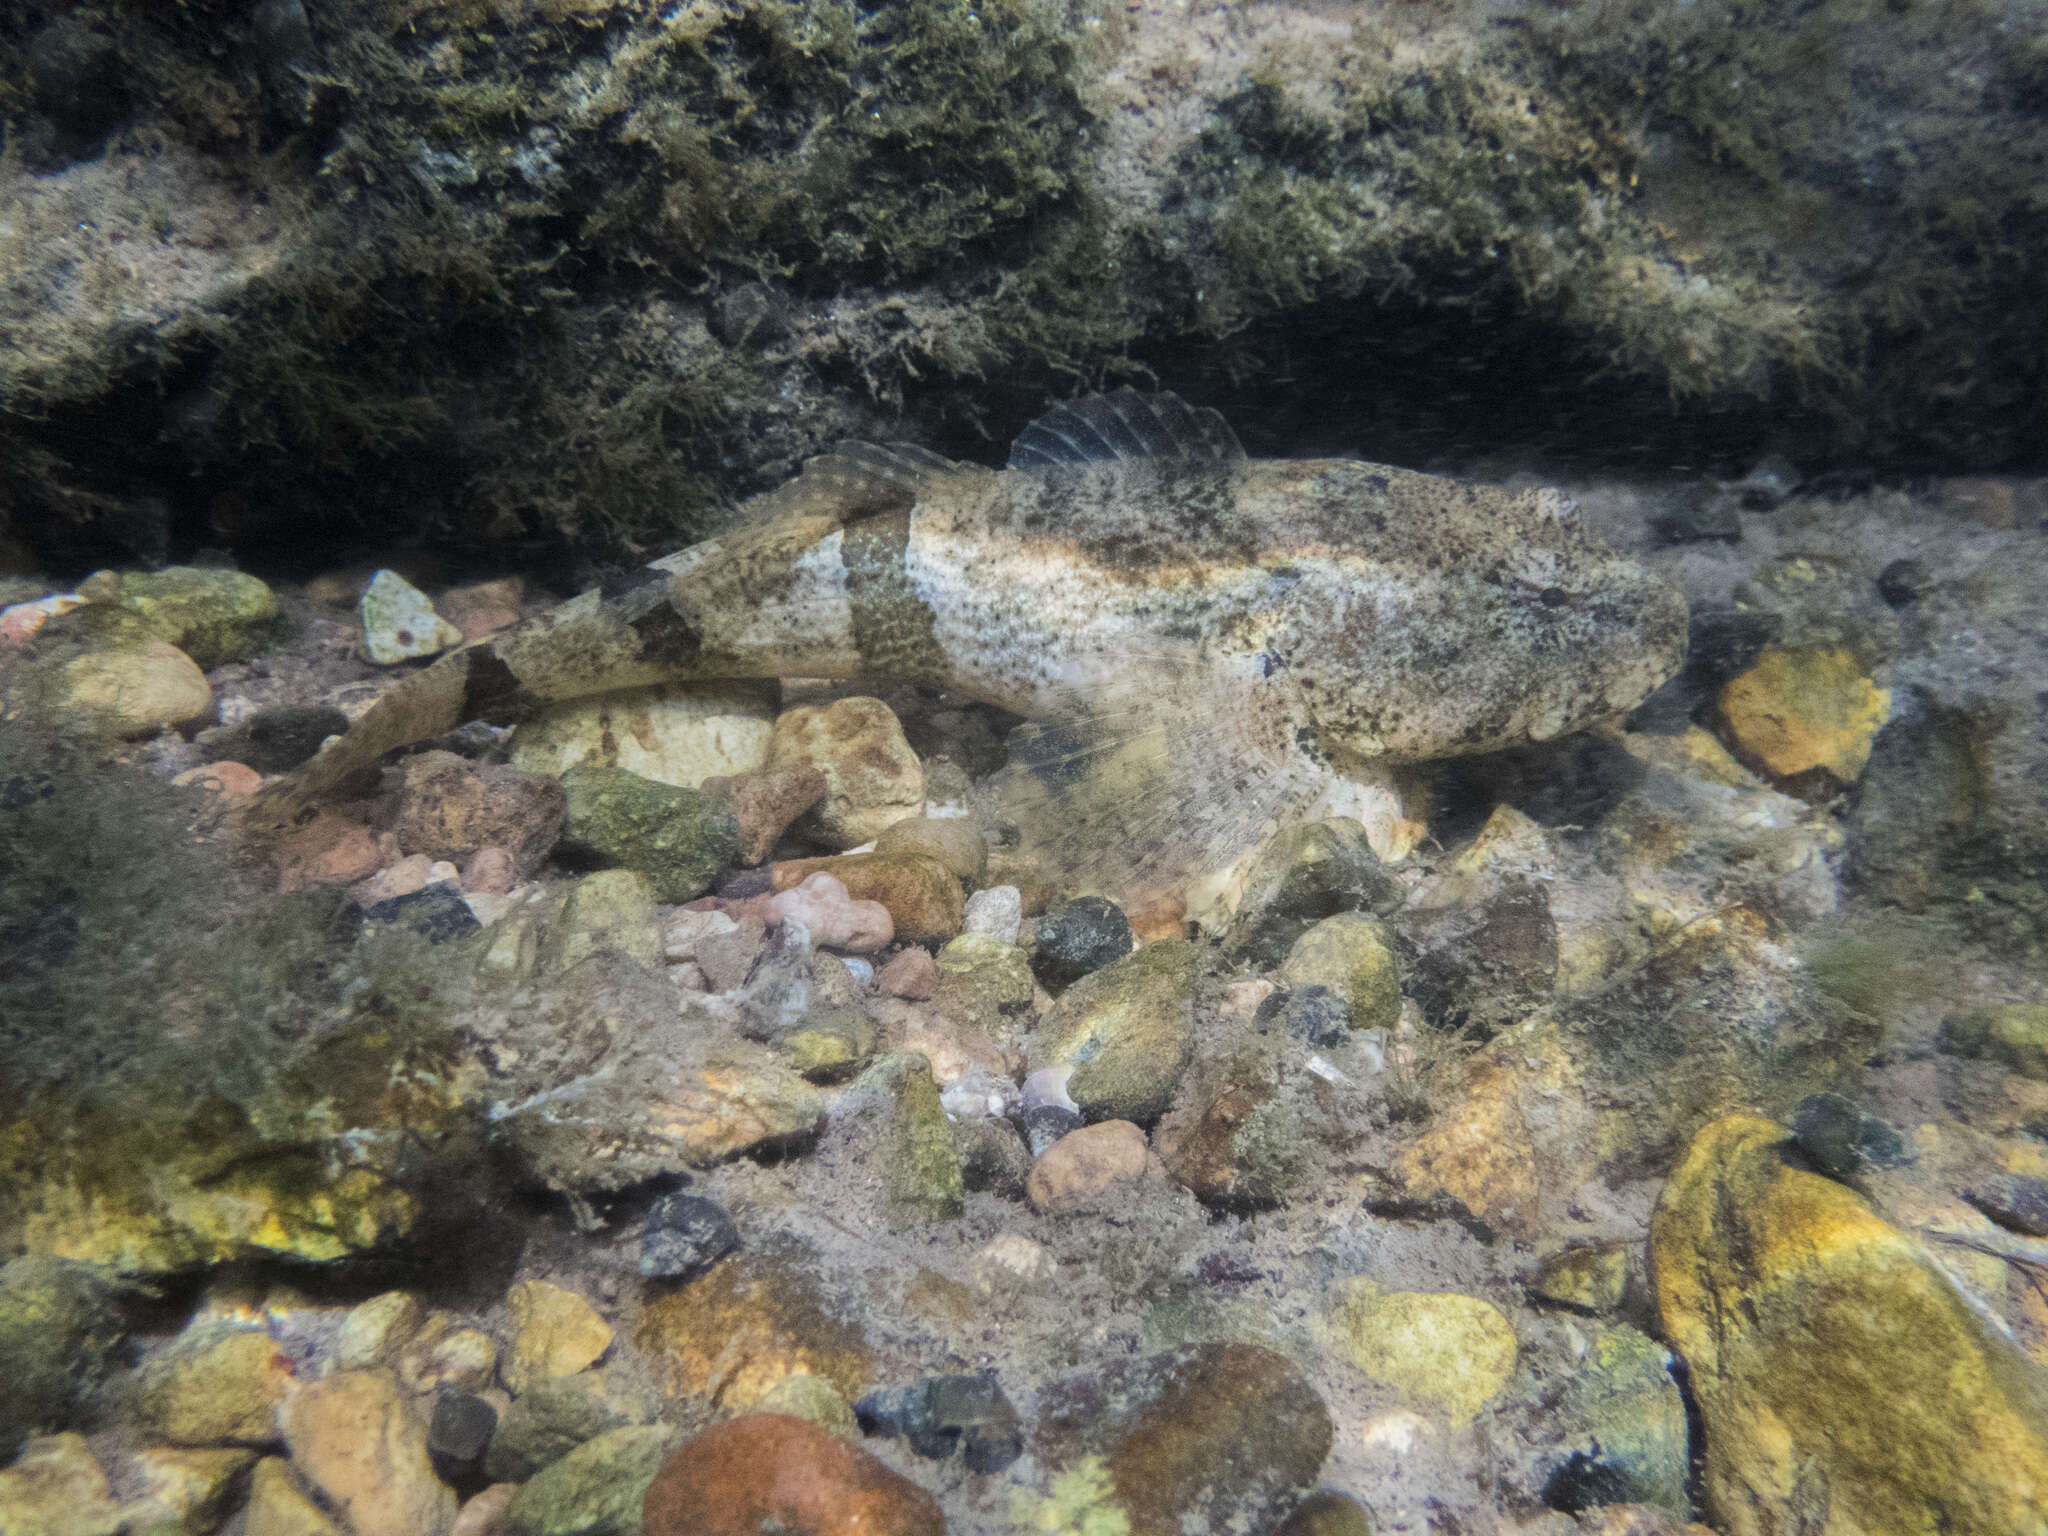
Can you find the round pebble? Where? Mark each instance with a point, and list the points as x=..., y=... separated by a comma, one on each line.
x=997, y=912
x=685, y=1235
x=1077, y=937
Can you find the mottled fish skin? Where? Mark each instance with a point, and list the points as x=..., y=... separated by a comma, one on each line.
x=1287, y=627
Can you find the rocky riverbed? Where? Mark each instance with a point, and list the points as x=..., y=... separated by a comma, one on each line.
x=692, y=1111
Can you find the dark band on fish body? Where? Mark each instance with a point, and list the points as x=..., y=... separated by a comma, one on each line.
x=491, y=693
x=893, y=627
x=667, y=637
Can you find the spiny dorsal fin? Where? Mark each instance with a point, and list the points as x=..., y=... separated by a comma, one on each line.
x=1125, y=425
x=853, y=481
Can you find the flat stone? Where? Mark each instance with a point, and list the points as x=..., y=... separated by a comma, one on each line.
x=955, y=841
x=1843, y=1381
x=374, y=1331
x=1592, y=1278
x=399, y=622
x=1449, y=1352
x=677, y=734
x=555, y=1332
x=938, y=1417
x=354, y=1436
x=1804, y=708
x=771, y=1471
x=751, y=1321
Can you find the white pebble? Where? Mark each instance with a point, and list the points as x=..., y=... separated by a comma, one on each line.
x=861, y=970
x=399, y=622
x=997, y=913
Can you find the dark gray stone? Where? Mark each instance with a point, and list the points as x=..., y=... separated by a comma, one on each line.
x=1840, y=1137
x=1077, y=937
x=684, y=1236
x=438, y=912
x=944, y=1415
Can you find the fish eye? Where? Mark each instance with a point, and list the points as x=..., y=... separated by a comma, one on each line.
x=1553, y=597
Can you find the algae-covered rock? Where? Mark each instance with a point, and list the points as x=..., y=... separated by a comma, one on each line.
x=1353, y=955
x=552, y=1418
x=1126, y=1030
x=59, y=1329
x=872, y=777
x=1804, y=708
x=595, y=1490
x=1615, y=1433
x=985, y=984
x=1305, y=874
x=893, y=1115
x=2015, y=1036
x=1843, y=1382
x=216, y=1383
x=1450, y=1352
x=1215, y=1436
x=213, y=616
x=55, y=1488
x=679, y=839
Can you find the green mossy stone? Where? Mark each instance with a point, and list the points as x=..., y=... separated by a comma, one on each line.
x=1127, y=1030
x=914, y=1152
x=548, y=1421
x=805, y=1396
x=213, y=616
x=1622, y=1411
x=595, y=1490
x=1326, y=1513
x=1449, y=1352
x=59, y=1329
x=680, y=839
x=215, y=1384
x=986, y=985
x=1590, y=1278
x=1352, y=955
x=612, y=909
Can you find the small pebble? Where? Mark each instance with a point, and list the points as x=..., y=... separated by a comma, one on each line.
x=862, y=971
x=913, y=975
x=1903, y=583
x=685, y=1235
x=690, y=927
x=1045, y=1125
x=228, y=780
x=997, y=912
x=399, y=622
x=415, y=872
x=833, y=918
x=490, y=871
x=1315, y=1015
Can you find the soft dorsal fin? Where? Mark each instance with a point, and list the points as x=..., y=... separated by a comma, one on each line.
x=1125, y=425
x=853, y=481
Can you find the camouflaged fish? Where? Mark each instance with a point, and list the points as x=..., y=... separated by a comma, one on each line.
x=1210, y=644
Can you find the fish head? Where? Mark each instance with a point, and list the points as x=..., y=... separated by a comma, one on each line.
x=1462, y=623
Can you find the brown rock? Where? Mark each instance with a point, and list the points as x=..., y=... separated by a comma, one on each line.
x=450, y=807
x=770, y=1471
x=1208, y=1141
x=486, y=1514
x=912, y=975
x=214, y=1383
x=747, y=1324
x=923, y=897
x=328, y=850
x=765, y=801
x=955, y=841
x=357, y=1440
x=484, y=607
x=1092, y=1169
